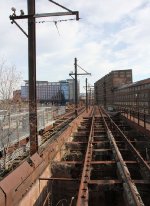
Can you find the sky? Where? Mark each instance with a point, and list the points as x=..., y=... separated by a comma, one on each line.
x=111, y=35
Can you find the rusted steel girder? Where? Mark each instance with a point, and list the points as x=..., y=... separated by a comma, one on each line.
x=83, y=189
x=58, y=178
x=113, y=182
x=130, y=189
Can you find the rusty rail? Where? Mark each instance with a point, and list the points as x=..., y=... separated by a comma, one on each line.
x=83, y=189
x=131, y=147
x=132, y=195
x=130, y=188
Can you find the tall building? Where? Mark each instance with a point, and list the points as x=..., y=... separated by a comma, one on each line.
x=116, y=91
x=72, y=90
x=105, y=87
x=55, y=92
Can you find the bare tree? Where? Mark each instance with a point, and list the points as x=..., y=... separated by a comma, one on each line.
x=9, y=81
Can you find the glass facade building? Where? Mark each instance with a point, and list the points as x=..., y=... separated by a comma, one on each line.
x=55, y=92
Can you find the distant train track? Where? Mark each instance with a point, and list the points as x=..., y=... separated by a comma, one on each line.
x=60, y=125
x=20, y=151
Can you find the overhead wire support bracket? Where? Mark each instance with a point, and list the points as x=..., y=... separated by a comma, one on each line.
x=86, y=73
x=57, y=14
x=71, y=75
x=80, y=74
x=14, y=22
x=14, y=17
x=46, y=15
x=83, y=70
x=60, y=5
x=73, y=12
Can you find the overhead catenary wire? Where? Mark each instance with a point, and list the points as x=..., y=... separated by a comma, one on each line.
x=52, y=21
x=45, y=21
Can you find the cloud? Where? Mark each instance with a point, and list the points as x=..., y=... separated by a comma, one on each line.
x=112, y=34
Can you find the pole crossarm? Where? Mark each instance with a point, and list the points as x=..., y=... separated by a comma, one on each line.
x=80, y=74
x=12, y=17
x=86, y=73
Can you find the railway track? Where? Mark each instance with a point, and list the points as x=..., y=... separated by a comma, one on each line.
x=19, y=153
x=58, y=127
x=105, y=163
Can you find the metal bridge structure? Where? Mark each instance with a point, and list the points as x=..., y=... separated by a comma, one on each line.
x=96, y=158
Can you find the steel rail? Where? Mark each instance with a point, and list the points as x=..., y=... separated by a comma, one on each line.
x=134, y=198
x=66, y=118
x=82, y=199
x=134, y=151
x=71, y=116
x=50, y=136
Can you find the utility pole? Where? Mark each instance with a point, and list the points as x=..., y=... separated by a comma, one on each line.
x=90, y=97
x=31, y=16
x=104, y=89
x=76, y=87
x=76, y=83
x=32, y=77
x=86, y=95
